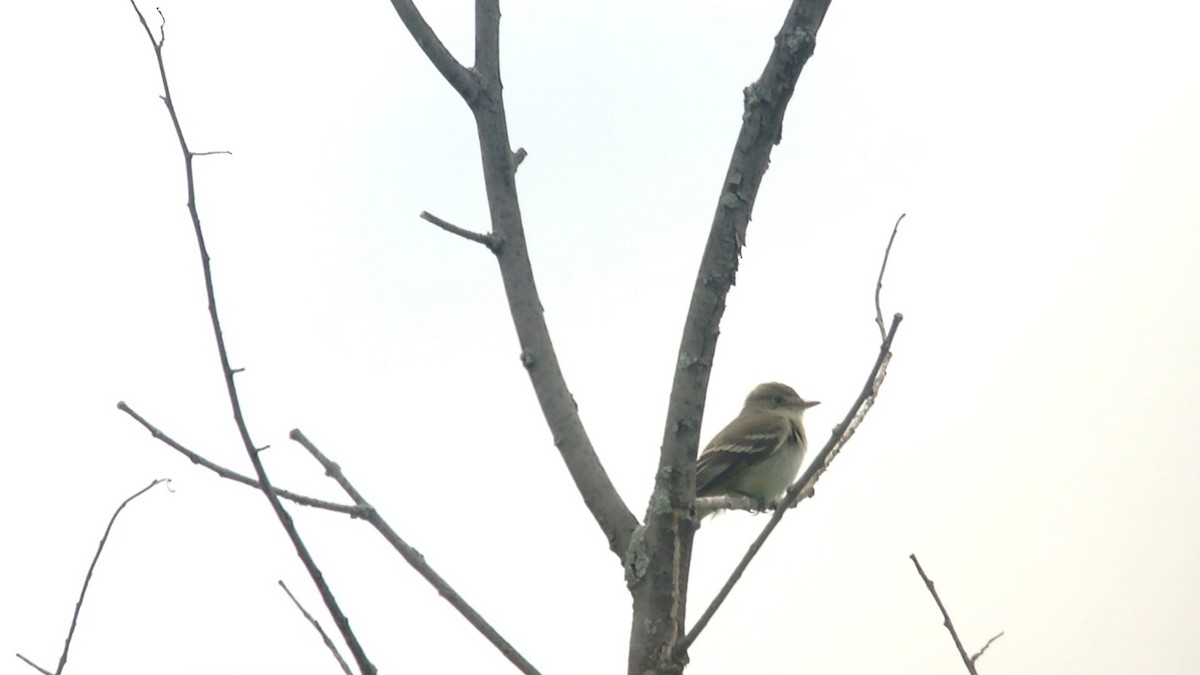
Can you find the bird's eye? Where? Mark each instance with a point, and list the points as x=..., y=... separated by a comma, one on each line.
x=778, y=399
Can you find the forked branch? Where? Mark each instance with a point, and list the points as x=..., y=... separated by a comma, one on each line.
x=481, y=89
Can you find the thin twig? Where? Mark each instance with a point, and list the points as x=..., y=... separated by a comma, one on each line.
x=332, y=469
x=487, y=240
x=414, y=558
x=35, y=666
x=967, y=660
x=87, y=580
x=984, y=648
x=230, y=474
x=879, y=283
x=320, y=631
x=285, y=520
x=805, y=485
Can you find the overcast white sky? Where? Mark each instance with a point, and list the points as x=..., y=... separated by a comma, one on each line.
x=1035, y=444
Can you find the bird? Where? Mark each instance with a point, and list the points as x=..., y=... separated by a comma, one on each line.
x=759, y=453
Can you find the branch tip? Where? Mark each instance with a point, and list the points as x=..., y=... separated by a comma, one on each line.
x=87, y=580
x=984, y=648
x=230, y=474
x=33, y=665
x=879, y=282
x=487, y=240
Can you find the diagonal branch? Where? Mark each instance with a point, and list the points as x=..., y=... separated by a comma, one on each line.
x=968, y=661
x=285, y=519
x=414, y=558
x=805, y=485
x=461, y=78
x=62, y=660
x=984, y=648
x=33, y=665
x=487, y=240
x=945, y=617
x=230, y=474
x=317, y=627
x=87, y=580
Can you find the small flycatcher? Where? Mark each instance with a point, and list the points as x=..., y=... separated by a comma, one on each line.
x=759, y=453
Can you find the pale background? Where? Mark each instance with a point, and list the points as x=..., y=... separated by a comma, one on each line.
x=1035, y=443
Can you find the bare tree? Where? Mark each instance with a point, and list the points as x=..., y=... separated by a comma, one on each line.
x=655, y=550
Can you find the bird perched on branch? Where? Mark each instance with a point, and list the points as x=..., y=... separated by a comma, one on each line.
x=758, y=454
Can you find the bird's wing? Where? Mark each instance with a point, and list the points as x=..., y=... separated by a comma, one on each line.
x=737, y=447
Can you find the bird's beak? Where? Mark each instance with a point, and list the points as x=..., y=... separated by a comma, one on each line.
x=809, y=404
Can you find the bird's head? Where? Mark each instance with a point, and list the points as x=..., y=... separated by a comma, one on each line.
x=777, y=396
